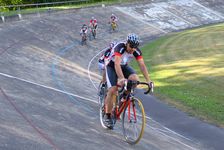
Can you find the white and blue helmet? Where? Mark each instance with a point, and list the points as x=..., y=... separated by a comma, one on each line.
x=133, y=40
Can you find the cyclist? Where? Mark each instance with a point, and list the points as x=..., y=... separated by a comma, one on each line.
x=102, y=59
x=93, y=23
x=113, y=18
x=118, y=70
x=84, y=29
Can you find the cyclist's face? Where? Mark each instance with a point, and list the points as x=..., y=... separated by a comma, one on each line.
x=129, y=49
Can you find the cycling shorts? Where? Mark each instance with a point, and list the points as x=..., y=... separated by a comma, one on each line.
x=111, y=75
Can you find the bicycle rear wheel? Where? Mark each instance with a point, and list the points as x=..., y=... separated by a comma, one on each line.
x=102, y=91
x=133, y=121
x=102, y=114
x=102, y=95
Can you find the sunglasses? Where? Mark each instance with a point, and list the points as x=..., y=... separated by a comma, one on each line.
x=133, y=45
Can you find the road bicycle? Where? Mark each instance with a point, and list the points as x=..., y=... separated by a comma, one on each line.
x=131, y=109
x=113, y=26
x=92, y=33
x=84, y=39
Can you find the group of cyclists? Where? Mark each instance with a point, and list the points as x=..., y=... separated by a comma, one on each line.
x=93, y=25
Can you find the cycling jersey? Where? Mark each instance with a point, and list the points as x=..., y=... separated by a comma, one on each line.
x=105, y=55
x=120, y=50
x=93, y=21
x=84, y=30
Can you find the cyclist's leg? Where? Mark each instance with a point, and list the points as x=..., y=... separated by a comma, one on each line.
x=129, y=73
x=133, y=77
x=108, y=100
x=111, y=78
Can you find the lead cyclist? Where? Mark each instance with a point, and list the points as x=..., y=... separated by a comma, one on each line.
x=118, y=70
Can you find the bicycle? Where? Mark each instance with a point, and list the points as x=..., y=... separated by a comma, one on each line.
x=84, y=39
x=131, y=109
x=113, y=26
x=92, y=33
x=102, y=92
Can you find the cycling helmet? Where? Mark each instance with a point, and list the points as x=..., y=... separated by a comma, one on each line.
x=84, y=25
x=112, y=15
x=92, y=18
x=133, y=40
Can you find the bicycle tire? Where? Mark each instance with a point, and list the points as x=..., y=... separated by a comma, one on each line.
x=102, y=105
x=101, y=92
x=102, y=113
x=135, y=104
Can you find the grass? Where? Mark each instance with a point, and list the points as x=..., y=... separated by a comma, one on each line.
x=61, y=7
x=188, y=71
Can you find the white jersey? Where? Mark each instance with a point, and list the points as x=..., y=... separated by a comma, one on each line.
x=120, y=50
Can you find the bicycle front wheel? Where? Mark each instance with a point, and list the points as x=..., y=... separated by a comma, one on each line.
x=133, y=121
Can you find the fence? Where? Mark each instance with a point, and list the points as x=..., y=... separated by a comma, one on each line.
x=17, y=12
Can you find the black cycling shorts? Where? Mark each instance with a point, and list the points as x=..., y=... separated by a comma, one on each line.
x=111, y=75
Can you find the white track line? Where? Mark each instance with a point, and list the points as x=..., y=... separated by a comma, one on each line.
x=172, y=138
x=47, y=87
x=209, y=10
x=189, y=23
x=90, y=62
x=153, y=26
x=167, y=129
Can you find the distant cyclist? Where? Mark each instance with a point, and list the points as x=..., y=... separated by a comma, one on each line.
x=102, y=60
x=84, y=29
x=113, y=18
x=118, y=70
x=93, y=23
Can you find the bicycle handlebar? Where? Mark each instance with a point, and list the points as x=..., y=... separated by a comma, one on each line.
x=128, y=85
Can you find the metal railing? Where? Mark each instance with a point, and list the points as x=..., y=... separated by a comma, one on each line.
x=20, y=11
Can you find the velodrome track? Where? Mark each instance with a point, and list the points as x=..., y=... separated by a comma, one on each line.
x=47, y=80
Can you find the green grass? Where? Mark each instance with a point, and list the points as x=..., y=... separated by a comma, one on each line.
x=188, y=71
x=22, y=10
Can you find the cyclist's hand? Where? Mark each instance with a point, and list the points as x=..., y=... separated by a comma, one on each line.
x=121, y=81
x=151, y=85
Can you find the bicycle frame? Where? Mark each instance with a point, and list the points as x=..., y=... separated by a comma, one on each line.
x=113, y=25
x=120, y=109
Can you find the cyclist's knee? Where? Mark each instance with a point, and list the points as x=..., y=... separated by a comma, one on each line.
x=133, y=77
x=112, y=90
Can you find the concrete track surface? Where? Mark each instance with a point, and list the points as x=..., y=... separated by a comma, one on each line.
x=48, y=81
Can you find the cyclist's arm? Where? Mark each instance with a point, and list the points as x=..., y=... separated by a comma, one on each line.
x=117, y=65
x=143, y=69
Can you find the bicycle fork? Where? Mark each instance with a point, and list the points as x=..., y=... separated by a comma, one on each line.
x=131, y=103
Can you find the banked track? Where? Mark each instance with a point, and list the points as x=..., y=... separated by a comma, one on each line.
x=47, y=100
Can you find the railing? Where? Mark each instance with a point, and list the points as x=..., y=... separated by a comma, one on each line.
x=19, y=11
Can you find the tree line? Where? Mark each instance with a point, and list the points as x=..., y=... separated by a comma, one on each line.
x=18, y=2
